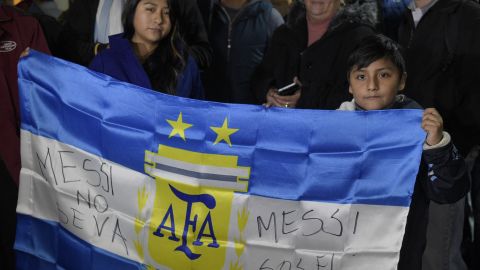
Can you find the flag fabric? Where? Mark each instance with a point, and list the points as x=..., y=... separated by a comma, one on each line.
x=115, y=176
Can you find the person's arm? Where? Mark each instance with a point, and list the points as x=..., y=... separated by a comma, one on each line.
x=263, y=79
x=467, y=92
x=447, y=178
x=38, y=41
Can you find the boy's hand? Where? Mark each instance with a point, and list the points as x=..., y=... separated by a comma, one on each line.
x=25, y=52
x=432, y=123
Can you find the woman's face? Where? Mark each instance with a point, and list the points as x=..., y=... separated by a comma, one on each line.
x=151, y=22
x=319, y=10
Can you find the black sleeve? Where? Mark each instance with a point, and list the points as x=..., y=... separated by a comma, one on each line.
x=275, y=64
x=466, y=122
x=446, y=179
x=76, y=37
x=193, y=32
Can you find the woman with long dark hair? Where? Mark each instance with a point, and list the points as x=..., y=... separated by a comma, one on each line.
x=151, y=53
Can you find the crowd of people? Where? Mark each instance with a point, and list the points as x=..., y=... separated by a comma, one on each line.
x=315, y=54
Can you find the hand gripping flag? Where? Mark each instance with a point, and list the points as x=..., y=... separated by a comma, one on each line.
x=115, y=176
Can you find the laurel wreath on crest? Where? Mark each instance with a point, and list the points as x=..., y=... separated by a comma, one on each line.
x=139, y=223
x=242, y=219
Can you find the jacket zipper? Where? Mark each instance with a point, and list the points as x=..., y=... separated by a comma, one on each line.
x=229, y=39
x=230, y=24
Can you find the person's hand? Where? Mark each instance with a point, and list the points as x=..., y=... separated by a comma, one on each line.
x=25, y=52
x=432, y=123
x=276, y=100
x=271, y=100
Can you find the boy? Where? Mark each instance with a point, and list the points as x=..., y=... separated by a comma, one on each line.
x=376, y=73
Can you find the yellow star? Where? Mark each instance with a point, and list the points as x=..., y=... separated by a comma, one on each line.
x=178, y=127
x=223, y=132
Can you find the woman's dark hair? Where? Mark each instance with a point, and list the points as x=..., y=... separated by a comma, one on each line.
x=169, y=58
x=372, y=48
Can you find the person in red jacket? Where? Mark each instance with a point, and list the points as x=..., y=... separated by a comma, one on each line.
x=17, y=33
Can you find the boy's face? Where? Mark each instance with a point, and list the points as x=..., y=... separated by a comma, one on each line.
x=374, y=87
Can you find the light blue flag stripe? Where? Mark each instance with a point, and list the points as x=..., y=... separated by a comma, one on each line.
x=45, y=245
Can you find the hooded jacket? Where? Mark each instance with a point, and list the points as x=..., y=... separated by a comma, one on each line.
x=238, y=44
x=320, y=67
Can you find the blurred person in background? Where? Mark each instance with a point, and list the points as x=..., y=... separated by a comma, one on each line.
x=239, y=33
x=17, y=33
x=313, y=47
x=151, y=53
x=441, y=39
x=89, y=23
x=47, y=13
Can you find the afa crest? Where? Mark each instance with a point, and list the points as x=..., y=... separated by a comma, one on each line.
x=189, y=222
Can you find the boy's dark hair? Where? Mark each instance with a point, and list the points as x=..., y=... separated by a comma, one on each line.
x=372, y=48
x=169, y=59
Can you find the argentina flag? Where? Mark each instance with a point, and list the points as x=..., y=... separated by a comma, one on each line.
x=115, y=176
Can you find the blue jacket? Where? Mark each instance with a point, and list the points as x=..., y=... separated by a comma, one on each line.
x=238, y=47
x=120, y=62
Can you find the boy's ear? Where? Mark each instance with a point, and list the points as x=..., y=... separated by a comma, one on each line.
x=349, y=85
x=403, y=81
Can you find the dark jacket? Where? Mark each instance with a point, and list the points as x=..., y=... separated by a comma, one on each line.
x=79, y=27
x=443, y=66
x=119, y=61
x=17, y=32
x=238, y=45
x=321, y=67
x=442, y=177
